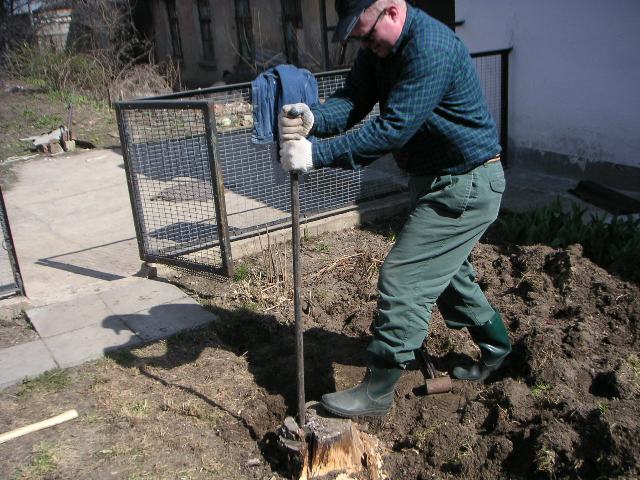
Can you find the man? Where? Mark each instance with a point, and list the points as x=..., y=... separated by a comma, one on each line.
x=434, y=120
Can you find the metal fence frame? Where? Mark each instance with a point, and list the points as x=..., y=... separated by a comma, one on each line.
x=202, y=99
x=9, y=247
x=503, y=119
x=216, y=181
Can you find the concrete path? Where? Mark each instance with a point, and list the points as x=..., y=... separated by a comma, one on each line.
x=72, y=226
x=133, y=311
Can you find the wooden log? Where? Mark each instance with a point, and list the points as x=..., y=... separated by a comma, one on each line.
x=331, y=445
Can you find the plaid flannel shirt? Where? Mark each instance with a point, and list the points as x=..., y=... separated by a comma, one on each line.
x=433, y=115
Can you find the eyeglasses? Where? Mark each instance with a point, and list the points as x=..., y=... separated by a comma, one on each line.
x=366, y=38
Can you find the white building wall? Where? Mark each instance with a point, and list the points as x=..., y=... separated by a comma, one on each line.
x=575, y=77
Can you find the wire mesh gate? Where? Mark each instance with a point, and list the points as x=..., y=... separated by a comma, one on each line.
x=175, y=183
x=10, y=278
x=197, y=181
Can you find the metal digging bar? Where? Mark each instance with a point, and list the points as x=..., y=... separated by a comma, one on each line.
x=297, y=284
x=322, y=445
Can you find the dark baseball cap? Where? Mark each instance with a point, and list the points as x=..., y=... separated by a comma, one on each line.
x=348, y=13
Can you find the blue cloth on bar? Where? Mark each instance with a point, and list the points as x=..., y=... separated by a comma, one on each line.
x=274, y=88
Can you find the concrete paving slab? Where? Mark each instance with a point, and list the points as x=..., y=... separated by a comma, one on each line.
x=67, y=316
x=90, y=343
x=140, y=295
x=22, y=361
x=167, y=319
x=72, y=224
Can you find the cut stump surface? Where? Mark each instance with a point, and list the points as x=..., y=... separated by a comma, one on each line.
x=329, y=445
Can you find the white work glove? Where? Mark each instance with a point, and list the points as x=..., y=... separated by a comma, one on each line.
x=296, y=155
x=294, y=127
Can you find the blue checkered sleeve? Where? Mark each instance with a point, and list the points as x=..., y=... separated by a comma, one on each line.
x=349, y=104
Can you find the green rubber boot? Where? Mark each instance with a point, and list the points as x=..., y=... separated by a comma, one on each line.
x=373, y=397
x=494, y=343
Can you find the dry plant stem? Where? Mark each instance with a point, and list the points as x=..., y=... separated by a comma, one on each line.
x=285, y=263
x=328, y=268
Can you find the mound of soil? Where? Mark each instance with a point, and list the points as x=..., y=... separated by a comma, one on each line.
x=565, y=405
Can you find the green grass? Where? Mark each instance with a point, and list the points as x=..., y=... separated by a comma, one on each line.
x=391, y=235
x=139, y=408
x=50, y=381
x=603, y=408
x=634, y=361
x=78, y=99
x=58, y=72
x=241, y=272
x=47, y=122
x=448, y=345
x=249, y=307
x=546, y=460
x=319, y=293
x=45, y=459
x=123, y=450
x=419, y=438
x=93, y=418
x=139, y=476
x=539, y=389
x=29, y=121
x=306, y=234
x=323, y=247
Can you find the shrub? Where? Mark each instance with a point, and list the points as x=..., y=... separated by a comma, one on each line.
x=57, y=71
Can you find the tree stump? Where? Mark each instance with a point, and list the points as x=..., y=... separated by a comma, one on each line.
x=327, y=445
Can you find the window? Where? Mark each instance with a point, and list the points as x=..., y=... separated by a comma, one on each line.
x=174, y=29
x=292, y=12
x=204, y=14
x=291, y=21
x=245, y=30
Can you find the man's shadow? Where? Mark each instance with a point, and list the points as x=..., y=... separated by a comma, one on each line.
x=268, y=345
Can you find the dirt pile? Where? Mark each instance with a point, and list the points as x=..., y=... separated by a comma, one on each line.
x=566, y=405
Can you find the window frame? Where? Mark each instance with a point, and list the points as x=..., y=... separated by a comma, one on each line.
x=174, y=29
x=205, y=24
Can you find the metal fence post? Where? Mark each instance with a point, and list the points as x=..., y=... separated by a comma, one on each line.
x=504, y=106
x=137, y=219
x=219, y=201
x=10, y=247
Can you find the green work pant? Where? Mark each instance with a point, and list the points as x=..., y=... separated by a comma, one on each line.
x=429, y=262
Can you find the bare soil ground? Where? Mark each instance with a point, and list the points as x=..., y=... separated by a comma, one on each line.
x=205, y=404
x=15, y=328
